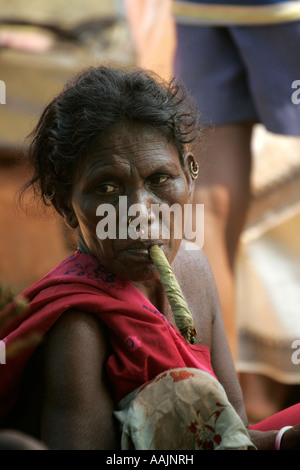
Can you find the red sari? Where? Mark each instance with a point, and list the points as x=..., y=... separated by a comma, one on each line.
x=144, y=343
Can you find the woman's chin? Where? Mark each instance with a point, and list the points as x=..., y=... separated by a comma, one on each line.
x=143, y=276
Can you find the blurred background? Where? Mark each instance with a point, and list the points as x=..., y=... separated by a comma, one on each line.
x=42, y=44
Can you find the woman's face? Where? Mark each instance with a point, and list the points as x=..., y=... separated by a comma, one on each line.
x=140, y=164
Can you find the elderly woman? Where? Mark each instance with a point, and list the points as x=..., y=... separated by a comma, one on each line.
x=104, y=312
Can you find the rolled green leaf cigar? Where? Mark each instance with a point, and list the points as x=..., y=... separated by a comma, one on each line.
x=182, y=315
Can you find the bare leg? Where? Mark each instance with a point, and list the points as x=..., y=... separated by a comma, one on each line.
x=224, y=188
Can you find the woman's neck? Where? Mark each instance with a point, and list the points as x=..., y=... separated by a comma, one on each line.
x=154, y=292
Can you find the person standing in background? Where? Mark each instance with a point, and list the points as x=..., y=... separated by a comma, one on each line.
x=153, y=32
x=239, y=60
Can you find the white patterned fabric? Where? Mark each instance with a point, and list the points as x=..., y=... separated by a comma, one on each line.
x=180, y=409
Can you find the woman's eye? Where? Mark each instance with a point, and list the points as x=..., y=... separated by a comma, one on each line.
x=107, y=188
x=160, y=179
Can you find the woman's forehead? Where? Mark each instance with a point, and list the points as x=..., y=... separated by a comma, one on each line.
x=138, y=142
x=133, y=133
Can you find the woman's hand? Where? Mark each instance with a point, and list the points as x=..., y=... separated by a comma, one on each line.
x=265, y=440
x=291, y=439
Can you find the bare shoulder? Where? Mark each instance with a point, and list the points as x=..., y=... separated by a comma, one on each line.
x=75, y=323
x=76, y=350
x=78, y=399
x=192, y=265
x=76, y=336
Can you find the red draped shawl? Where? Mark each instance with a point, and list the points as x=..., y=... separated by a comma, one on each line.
x=143, y=342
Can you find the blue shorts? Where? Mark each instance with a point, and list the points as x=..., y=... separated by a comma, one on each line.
x=243, y=73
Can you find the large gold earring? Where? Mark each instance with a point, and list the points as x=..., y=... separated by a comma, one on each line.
x=194, y=170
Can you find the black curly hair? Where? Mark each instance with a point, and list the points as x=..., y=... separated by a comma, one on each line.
x=91, y=104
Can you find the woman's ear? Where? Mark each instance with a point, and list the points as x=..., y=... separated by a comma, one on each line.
x=66, y=211
x=191, y=168
x=70, y=218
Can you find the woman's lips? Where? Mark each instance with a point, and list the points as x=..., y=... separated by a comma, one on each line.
x=127, y=245
x=140, y=250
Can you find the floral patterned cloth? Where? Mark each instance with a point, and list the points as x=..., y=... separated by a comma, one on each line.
x=181, y=409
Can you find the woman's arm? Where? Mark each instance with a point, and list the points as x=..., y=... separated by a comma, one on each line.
x=222, y=361
x=224, y=369
x=193, y=271
x=78, y=409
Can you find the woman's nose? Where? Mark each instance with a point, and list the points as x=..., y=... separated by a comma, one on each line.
x=142, y=198
x=141, y=204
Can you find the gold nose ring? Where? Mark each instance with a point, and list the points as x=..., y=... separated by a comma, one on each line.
x=140, y=231
x=130, y=220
